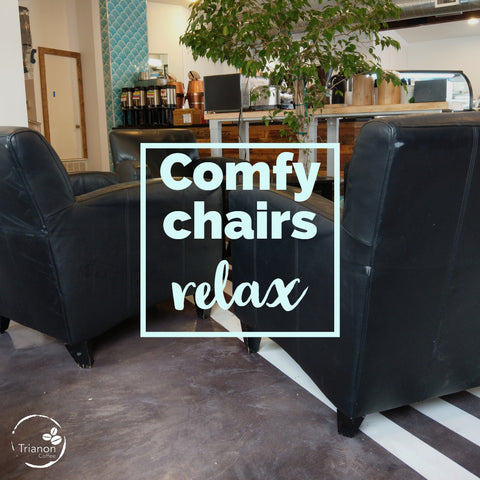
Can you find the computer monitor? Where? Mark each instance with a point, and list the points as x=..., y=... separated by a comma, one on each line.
x=222, y=93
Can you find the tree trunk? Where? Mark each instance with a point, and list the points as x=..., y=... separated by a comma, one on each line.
x=303, y=121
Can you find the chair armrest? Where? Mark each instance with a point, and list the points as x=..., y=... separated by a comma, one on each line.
x=157, y=194
x=101, y=232
x=84, y=182
x=316, y=203
x=129, y=170
x=116, y=209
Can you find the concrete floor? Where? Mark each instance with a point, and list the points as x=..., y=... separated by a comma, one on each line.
x=196, y=409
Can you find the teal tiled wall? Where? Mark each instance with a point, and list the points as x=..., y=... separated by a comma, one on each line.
x=107, y=75
x=125, y=49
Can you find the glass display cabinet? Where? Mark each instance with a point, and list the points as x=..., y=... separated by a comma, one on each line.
x=439, y=86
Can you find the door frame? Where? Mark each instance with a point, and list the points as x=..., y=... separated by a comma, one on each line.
x=42, y=51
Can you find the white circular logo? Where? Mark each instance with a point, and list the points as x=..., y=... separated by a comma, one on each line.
x=38, y=441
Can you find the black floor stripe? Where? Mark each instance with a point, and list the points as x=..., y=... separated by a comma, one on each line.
x=466, y=401
x=449, y=443
x=452, y=445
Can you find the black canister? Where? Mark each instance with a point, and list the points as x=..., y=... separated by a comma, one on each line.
x=136, y=97
x=129, y=97
x=154, y=98
x=123, y=98
x=169, y=96
x=127, y=105
x=143, y=97
x=139, y=105
x=154, y=103
x=169, y=102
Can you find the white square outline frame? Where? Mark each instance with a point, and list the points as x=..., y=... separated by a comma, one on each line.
x=336, y=241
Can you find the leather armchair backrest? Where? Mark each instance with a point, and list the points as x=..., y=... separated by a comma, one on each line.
x=125, y=146
x=411, y=174
x=410, y=261
x=33, y=187
x=34, y=182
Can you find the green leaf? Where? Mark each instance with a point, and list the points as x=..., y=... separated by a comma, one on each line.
x=255, y=35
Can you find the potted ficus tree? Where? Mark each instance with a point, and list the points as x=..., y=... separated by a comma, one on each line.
x=292, y=42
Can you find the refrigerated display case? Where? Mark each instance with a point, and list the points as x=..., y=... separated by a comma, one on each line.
x=439, y=86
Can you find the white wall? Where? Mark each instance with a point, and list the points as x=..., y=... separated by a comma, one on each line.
x=90, y=46
x=393, y=59
x=50, y=27
x=74, y=25
x=422, y=47
x=452, y=46
x=13, y=108
x=166, y=23
x=460, y=54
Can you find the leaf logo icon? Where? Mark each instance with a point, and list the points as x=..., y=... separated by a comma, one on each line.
x=56, y=440
x=52, y=437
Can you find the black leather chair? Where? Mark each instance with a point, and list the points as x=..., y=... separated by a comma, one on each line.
x=409, y=269
x=125, y=147
x=69, y=257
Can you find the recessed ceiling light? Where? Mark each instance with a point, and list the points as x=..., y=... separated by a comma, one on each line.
x=473, y=21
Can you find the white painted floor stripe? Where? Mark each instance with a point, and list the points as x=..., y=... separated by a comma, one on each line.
x=418, y=455
x=451, y=417
x=229, y=288
x=227, y=320
x=415, y=453
x=475, y=391
x=422, y=458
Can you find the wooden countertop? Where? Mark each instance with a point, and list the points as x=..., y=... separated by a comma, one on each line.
x=342, y=111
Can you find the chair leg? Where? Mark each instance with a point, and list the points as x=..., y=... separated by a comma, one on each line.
x=81, y=353
x=205, y=313
x=227, y=249
x=4, y=323
x=348, y=427
x=252, y=343
x=202, y=313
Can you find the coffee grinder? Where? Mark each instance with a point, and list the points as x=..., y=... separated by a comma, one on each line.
x=169, y=101
x=139, y=106
x=127, y=106
x=154, y=106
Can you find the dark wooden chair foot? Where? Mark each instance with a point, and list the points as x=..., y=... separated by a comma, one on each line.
x=81, y=353
x=203, y=313
x=348, y=427
x=252, y=343
x=227, y=250
x=4, y=323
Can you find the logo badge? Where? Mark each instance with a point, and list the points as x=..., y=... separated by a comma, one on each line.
x=38, y=441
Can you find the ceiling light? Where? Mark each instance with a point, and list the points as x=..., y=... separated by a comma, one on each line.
x=473, y=21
